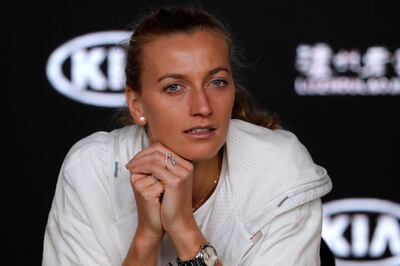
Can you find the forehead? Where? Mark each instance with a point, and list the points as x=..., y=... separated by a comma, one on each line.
x=199, y=51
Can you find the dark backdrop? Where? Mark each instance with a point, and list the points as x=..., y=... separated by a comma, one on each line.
x=354, y=137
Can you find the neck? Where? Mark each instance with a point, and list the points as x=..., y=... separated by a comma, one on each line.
x=204, y=175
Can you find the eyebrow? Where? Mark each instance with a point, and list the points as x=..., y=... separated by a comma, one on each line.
x=179, y=76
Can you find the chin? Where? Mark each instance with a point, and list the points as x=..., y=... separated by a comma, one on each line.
x=199, y=153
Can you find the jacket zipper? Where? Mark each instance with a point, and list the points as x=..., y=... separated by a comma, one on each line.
x=116, y=151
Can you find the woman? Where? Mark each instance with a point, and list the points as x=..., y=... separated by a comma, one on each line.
x=201, y=178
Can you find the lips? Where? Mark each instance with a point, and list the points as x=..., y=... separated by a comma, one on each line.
x=201, y=129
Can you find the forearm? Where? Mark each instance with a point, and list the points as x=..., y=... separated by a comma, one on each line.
x=143, y=251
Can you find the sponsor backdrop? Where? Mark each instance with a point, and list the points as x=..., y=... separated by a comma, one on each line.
x=329, y=69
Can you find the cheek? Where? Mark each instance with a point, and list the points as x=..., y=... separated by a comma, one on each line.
x=164, y=120
x=223, y=105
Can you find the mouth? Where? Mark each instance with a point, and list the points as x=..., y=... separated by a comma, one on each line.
x=201, y=132
x=201, y=129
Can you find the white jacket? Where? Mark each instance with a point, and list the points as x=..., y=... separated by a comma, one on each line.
x=267, y=211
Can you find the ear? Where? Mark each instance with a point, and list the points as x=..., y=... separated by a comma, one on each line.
x=135, y=106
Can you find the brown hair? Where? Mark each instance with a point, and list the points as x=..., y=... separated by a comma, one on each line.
x=187, y=19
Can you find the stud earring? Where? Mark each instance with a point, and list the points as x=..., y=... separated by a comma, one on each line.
x=142, y=118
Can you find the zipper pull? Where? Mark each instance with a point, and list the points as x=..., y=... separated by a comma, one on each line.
x=116, y=169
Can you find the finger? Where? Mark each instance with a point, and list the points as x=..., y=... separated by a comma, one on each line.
x=136, y=176
x=156, y=158
x=159, y=147
x=144, y=152
x=147, y=166
x=152, y=158
x=145, y=182
x=167, y=178
x=153, y=191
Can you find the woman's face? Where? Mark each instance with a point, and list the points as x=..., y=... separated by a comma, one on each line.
x=186, y=84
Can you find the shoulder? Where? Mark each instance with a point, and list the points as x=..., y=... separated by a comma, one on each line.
x=87, y=174
x=279, y=146
x=90, y=149
x=262, y=135
x=268, y=167
x=97, y=151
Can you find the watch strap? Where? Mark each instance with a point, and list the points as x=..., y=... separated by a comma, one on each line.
x=193, y=262
x=198, y=259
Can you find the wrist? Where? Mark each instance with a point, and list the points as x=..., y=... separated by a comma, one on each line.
x=146, y=241
x=206, y=256
x=144, y=233
x=143, y=249
x=187, y=241
x=182, y=225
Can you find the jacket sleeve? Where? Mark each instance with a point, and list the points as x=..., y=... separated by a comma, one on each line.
x=71, y=235
x=292, y=238
x=69, y=241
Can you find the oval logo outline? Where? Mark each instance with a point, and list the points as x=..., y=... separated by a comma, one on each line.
x=61, y=84
x=368, y=205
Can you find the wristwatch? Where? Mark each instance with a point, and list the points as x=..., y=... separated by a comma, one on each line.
x=206, y=257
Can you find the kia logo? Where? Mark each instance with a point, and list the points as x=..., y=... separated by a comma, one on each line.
x=363, y=232
x=90, y=68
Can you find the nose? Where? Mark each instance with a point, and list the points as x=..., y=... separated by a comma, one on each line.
x=200, y=103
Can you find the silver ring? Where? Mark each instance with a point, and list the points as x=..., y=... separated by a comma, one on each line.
x=173, y=160
x=166, y=160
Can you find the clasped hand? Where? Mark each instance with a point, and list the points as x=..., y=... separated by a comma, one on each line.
x=163, y=191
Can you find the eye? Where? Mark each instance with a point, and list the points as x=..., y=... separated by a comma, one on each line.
x=218, y=82
x=173, y=88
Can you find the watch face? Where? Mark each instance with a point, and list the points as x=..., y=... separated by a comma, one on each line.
x=209, y=256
